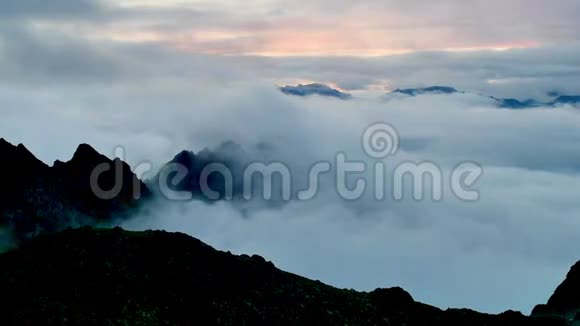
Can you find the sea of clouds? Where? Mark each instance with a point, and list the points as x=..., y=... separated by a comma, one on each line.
x=508, y=250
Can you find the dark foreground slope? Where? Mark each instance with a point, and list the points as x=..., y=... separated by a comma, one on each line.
x=114, y=277
x=566, y=299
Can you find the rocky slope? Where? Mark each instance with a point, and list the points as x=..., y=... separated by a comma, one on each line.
x=114, y=277
x=566, y=299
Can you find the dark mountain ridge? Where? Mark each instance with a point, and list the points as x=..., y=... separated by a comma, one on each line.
x=566, y=299
x=36, y=198
x=114, y=277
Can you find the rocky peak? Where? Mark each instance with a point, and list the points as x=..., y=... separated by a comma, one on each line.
x=37, y=198
x=566, y=299
x=186, y=158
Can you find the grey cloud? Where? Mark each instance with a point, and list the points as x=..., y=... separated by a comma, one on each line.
x=26, y=53
x=31, y=55
x=30, y=9
x=409, y=24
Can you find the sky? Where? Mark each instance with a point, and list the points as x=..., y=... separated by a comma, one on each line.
x=157, y=77
x=314, y=28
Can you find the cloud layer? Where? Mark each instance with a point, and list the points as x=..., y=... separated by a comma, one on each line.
x=520, y=235
x=320, y=27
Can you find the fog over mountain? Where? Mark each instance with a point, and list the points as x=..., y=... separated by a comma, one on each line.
x=449, y=253
x=149, y=79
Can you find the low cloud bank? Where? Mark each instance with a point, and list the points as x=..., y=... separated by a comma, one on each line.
x=521, y=234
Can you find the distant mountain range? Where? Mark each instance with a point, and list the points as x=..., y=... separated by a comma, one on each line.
x=427, y=90
x=315, y=89
x=508, y=103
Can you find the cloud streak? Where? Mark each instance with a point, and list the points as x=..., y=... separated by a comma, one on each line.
x=319, y=28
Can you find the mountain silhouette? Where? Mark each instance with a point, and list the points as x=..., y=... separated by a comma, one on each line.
x=315, y=89
x=567, y=100
x=36, y=198
x=114, y=277
x=427, y=90
x=506, y=103
x=566, y=299
x=228, y=155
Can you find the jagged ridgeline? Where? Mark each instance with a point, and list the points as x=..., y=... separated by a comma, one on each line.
x=228, y=155
x=114, y=277
x=36, y=198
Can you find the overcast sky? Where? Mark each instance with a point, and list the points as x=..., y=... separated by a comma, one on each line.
x=157, y=77
x=319, y=27
x=511, y=48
